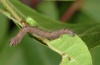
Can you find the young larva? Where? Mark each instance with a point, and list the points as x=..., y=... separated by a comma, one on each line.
x=39, y=32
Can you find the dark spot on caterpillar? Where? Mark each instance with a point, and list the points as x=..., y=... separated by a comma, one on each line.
x=39, y=32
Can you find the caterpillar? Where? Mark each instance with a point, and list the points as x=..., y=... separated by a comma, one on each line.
x=33, y=30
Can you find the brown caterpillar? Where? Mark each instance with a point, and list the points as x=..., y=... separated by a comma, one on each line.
x=39, y=32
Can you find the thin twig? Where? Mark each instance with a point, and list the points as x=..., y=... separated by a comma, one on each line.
x=72, y=9
x=12, y=12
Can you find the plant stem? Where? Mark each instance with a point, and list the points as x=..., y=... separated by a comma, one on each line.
x=12, y=12
x=72, y=9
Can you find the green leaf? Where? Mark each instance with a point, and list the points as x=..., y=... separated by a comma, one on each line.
x=48, y=8
x=90, y=7
x=73, y=50
x=3, y=24
x=3, y=29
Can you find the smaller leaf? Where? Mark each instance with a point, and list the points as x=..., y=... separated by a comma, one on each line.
x=72, y=49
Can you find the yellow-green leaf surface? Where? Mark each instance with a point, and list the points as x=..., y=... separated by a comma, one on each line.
x=73, y=50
